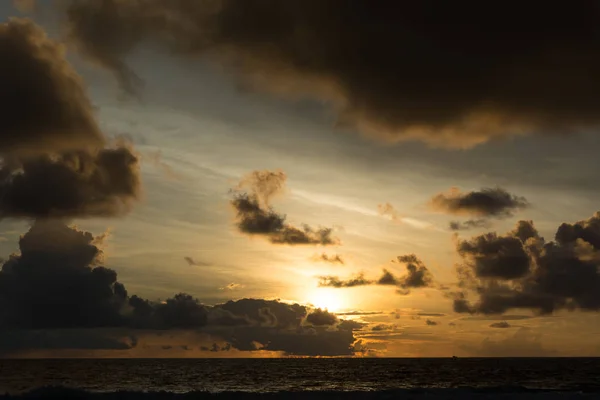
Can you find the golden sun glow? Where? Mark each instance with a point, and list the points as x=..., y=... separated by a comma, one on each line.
x=326, y=298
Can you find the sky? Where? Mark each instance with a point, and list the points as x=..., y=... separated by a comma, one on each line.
x=161, y=160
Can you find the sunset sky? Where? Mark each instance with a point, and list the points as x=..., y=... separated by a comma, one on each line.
x=405, y=141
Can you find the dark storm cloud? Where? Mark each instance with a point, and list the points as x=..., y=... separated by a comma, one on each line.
x=74, y=184
x=255, y=216
x=346, y=324
x=320, y=317
x=332, y=259
x=221, y=317
x=290, y=328
x=493, y=256
x=267, y=312
x=182, y=311
x=251, y=324
x=501, y=325
x=44, y=105
x=525, y=230
x=520, y=270
x=487, y=202
x=588, y=231
x=452, y=74
x=417, y=276
x=53, y=159
x=55, y=282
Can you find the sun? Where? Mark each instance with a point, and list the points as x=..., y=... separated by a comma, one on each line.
x=327, y=298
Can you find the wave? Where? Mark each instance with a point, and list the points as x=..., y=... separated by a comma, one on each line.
x=503, y=392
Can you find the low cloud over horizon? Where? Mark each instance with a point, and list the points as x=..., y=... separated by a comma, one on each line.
x=57, y=282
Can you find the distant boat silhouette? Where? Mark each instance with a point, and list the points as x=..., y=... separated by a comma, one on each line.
x=454, y=358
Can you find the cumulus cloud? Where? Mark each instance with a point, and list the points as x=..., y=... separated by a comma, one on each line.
x=331, y=259
x=401, y=72
x=387, y=278
x=493, y=256
x=417, y=276
x=320, y=317
x=57, y=281
x=487, y=202
x=484, y=204
x=182, y=311
x=55, y=162
x=520, y=270
x=278, y=326
x=105, y=183
x=255, y=216
x=267, y=312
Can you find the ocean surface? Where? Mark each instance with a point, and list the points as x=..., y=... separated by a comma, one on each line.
x=301, y=378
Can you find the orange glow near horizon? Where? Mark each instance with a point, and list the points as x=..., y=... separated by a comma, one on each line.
x=333, y=300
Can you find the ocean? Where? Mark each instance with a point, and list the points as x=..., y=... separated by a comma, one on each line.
x=302, y=378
